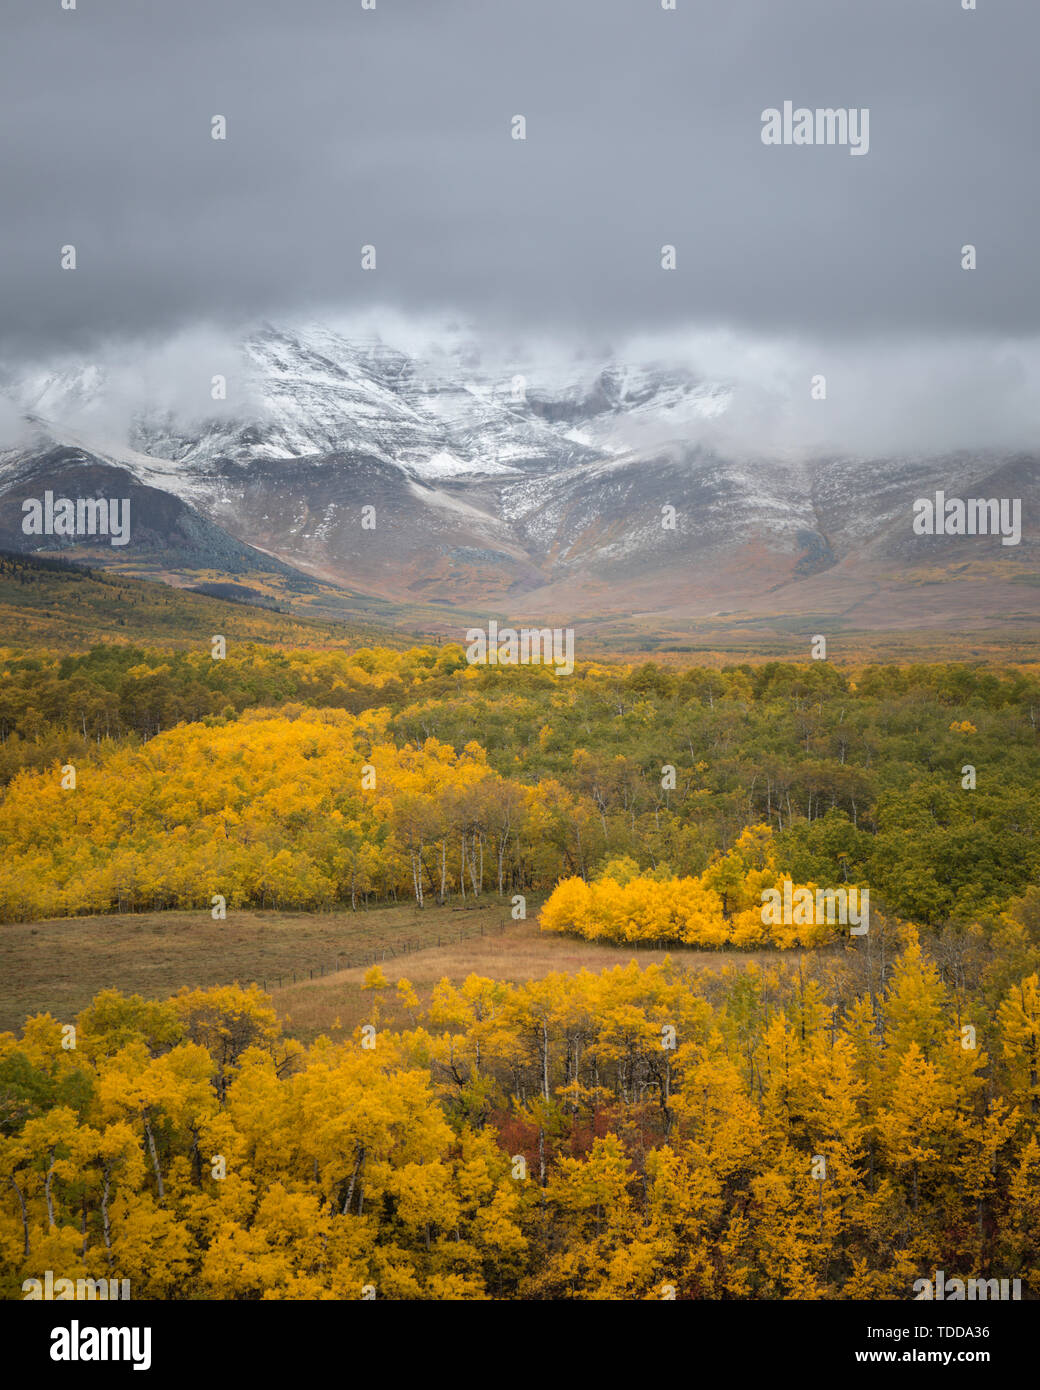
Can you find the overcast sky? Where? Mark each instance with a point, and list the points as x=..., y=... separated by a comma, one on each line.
x=392, y=127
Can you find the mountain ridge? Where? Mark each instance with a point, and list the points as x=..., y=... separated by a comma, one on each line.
x=583, y=491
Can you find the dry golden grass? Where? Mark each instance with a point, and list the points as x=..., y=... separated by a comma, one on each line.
x=58, y=966
x=336, y=1005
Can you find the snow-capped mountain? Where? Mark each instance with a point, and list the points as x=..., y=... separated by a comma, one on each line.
x=580, y=488
x=310, y=392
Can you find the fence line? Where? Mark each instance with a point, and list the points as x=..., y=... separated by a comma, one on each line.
x=379, y=956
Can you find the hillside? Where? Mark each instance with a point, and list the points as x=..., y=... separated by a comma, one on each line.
x=55, y=605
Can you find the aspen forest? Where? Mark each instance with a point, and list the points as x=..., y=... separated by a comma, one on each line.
x=788, y=1112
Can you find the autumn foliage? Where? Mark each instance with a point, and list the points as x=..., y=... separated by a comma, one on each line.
x=274, y=812
x=721, y=907
x=591, y=1136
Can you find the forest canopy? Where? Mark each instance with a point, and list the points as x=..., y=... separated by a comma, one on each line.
x=244, y=776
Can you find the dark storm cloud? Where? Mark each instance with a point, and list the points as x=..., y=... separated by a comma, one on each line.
x=392, y=127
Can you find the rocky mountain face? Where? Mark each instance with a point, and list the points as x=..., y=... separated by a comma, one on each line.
x=437, y=479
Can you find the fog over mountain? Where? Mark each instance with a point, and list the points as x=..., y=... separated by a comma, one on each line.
x=523, y=277
x=530, y=482
x=917, y=395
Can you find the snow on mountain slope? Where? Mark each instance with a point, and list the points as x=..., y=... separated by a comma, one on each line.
x=304, y=392
x=493, y=476
x=313, y=392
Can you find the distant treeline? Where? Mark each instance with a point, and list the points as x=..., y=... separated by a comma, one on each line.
x=918, y=781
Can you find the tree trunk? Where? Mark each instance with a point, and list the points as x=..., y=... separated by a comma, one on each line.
x=106, y=1225
x=47, y=1190
x=155, y=1159
x=360, y=1151
x=25, y=1217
